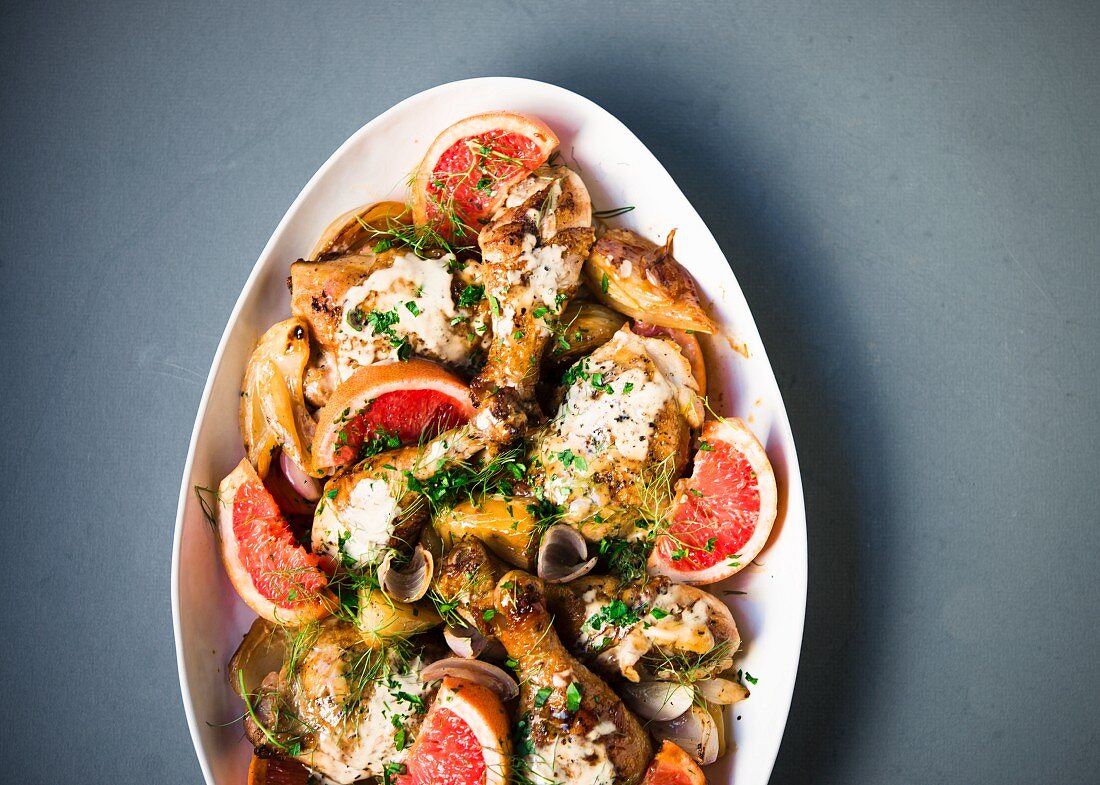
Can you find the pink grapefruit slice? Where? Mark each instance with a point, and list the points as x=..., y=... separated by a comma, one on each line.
x=274, y=575
x=410, y=401
x=464, y=739
x=672, y=766
x=724, y=512
x=467, y=171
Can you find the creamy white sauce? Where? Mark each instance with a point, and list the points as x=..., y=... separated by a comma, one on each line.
x=364, y=747
x=365, y=523
x=426, y=283
x=683, y=626
x=574, y=761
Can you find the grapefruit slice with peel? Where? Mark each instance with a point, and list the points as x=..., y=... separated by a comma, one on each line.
x=467, y=171
x=406, y=401
x=672, y=766
x=274, y=575
x=723, y=513
x=689, y=347
x=464, y=739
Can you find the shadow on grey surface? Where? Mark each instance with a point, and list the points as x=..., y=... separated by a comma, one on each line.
x=773, y=255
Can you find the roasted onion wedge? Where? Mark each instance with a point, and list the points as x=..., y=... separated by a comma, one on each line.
x=585, y=326
x=360, y=229
x=504, y=525
x=643, y=280
x=273, y=407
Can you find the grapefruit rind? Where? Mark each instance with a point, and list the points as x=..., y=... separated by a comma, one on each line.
x=229, y=549
x=372, y=381
x=734, y=433
x=509, y=122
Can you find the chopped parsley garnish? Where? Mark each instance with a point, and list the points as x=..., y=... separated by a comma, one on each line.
x=471, y=296
x=569, y=458
x=705, y=447
x=616, y=613
x=604, y=283
x=572, y=697
x=542, y=696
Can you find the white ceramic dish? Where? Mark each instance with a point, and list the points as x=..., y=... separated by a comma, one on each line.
x=209, y=620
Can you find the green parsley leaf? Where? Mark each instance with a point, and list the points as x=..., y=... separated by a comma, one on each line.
x=573, y=697
x=542, y=696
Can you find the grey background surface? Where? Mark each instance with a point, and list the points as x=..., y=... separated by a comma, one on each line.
x=908, y=193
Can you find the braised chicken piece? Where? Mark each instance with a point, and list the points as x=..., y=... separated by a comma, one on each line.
x=375, y=505
x=573, y=727
x=338, y=706
x=620, y=438
x=467, y=576
x=651, y=629
x=532, y=254
x=370, y=308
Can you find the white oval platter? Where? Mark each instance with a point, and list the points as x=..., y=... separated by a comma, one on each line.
x=618, y=169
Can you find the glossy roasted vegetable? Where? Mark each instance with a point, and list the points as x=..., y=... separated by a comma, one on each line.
x=273, y=407
x=384, y=619
x=505, y=525
x=360, y=228
x=643, y=280
x=585, y=326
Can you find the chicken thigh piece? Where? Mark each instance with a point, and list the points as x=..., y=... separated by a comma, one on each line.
x=375, y=505
x=343, y=709
x=612, y=452
x=532, y=255
x=573, y=727
x=646, y=630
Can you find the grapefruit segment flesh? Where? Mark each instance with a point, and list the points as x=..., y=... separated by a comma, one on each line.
x=464, y=739
x=724, y=512
x=409, y=401
x=274, y=575
x=672, y=766
x=467, y=171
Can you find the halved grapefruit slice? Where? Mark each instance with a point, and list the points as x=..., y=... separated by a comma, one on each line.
x=672, y=766
x=467, y=171
x=464, y=739
x=274, y=575
x=724, y=512
x=407, y=401
x=689, y=347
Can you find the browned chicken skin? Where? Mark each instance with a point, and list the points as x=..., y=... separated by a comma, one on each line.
x=532, y=255
x=336, y=704
x=651, y=629
x=619, y=439
x=371, y=507
x=579, y=730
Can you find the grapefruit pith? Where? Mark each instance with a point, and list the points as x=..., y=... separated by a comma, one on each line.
x=407, y=401
x=724, y=512
x=274, y=575
x=467, y=171
x=464, y=739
